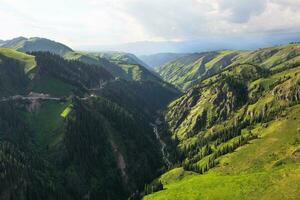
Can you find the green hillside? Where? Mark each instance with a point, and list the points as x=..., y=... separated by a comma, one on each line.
x=134, y=68
x=266, y=168
x=43, y=72
x=187, y=70
x=123, y=65
x=88, y=58
x=191, y=69
x=121, y=57
x=36, y=44
x=240, y=129
x=28, y=60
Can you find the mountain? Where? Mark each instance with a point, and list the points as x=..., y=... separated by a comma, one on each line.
x=85, y=57
x=237, y=131
x=44, y=72
x=123, y=65
x=69, y=130
x=36, y=44
x=189, y=70
x=202, y=44
x=121, y=57
x=158, y=59
x=94, y=125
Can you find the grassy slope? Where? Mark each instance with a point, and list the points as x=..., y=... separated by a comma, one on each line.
x=121, y=64
x=46, y=122
x=28, y=60
x=273, y=173
x=268, y=167
x=37, y=44
x=134, y=68
x=49, y=85
x=186, y=71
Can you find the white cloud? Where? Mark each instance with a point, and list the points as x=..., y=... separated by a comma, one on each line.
x=79, y=22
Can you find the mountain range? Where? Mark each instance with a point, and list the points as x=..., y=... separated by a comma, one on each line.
x=218, y=124
x=202, y=44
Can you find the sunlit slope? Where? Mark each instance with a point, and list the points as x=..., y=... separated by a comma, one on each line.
x=119, y=64
x=240, y=128
x=191, y=69
x=134, y=68
x=184, y=71
x=28, y=60
x=266, y=168
x=37, y=44
x=123, y=65
x=216, y=117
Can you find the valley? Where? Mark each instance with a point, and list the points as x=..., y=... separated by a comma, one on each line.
x=103, y=125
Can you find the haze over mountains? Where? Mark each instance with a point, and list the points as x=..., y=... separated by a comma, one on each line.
x=206, y=43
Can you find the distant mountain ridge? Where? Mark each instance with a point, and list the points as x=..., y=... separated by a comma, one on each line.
x=36, y=44
x=156, y=60
x=121, y=56
x=119, y=64
x=208, y=43
x=189, y=70
x=1, y=42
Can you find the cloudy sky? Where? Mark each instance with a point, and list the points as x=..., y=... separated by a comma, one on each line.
x=89, y=22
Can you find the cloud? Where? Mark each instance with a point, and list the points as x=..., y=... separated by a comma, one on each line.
x=241, y=11
x=188, y=19
x=79, y=22
x=171, y=20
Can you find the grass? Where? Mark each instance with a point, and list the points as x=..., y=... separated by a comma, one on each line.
x=276, y=143
x=185, y=71
x=245, y=186
x=66, y=111
x=28, y=60
x=133, y=71
x=221, y=55
x=46, y=122
x=50, y=85
x=266, y=168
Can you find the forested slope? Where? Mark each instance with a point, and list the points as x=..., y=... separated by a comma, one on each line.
x=86, y=136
